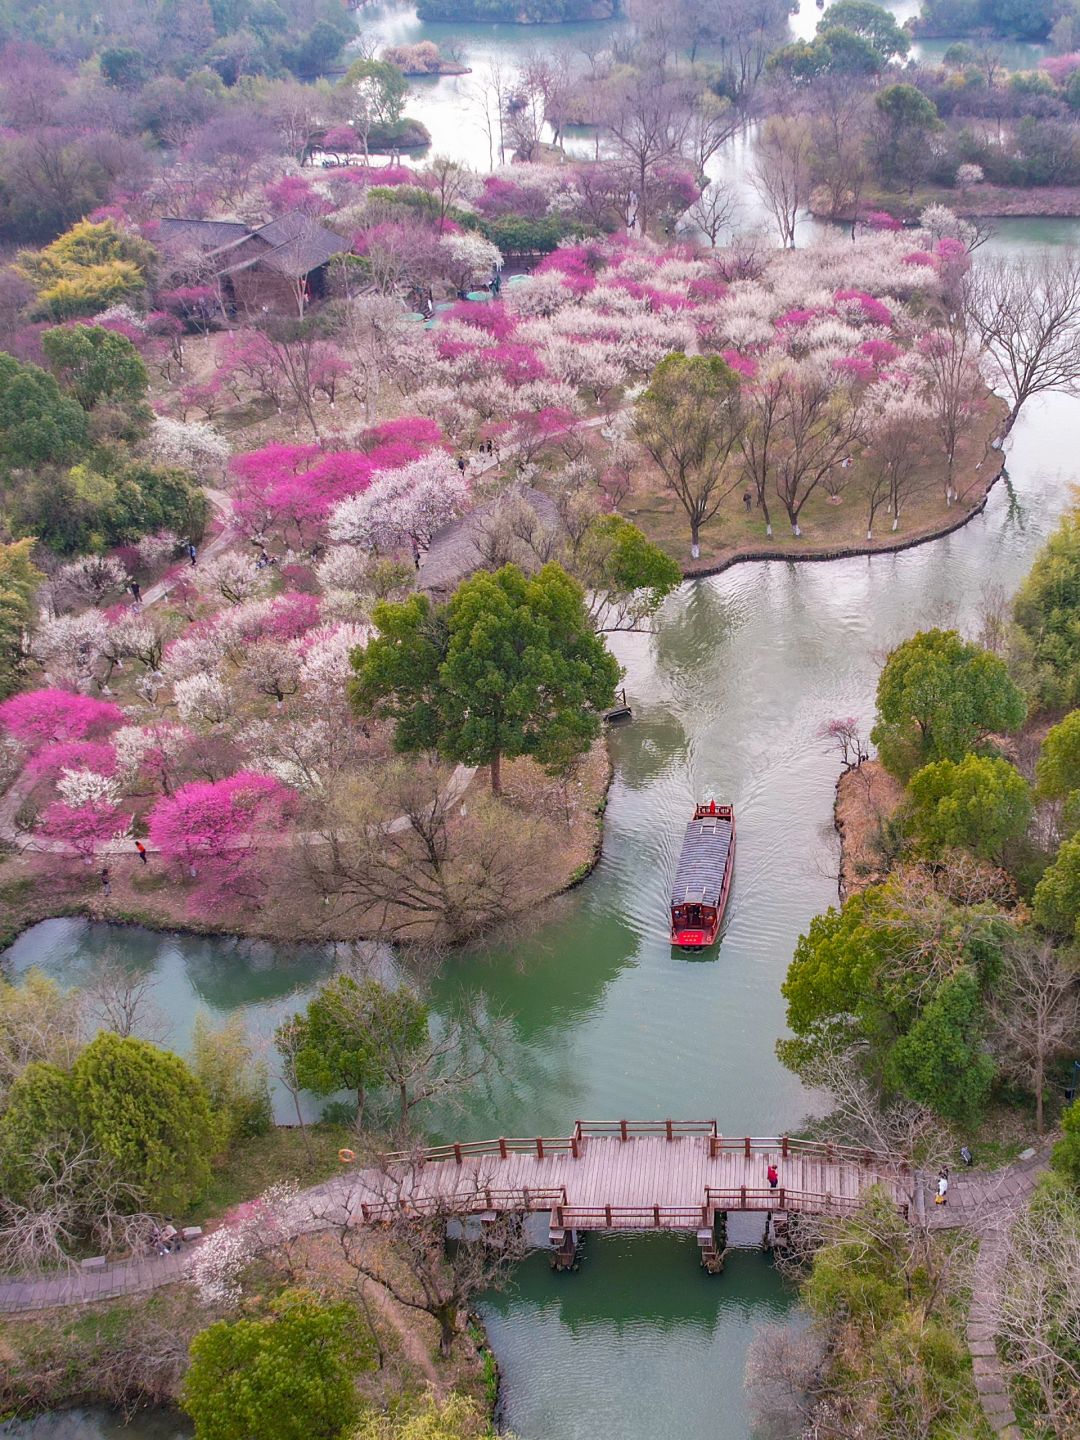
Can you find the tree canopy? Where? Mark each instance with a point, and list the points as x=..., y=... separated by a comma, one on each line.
x=509, y=666
x=1057, y=771
x=287, y=1376
x=939, y=697
x=19, y=579
x=96, y=364
x=344, y=1038
x=88, y=268
x=145, y=1110
x=1047, y=612
x=1056, y=904
x=895, y=984
x=871, y=23
x=39, y=424
x=689, y=421
x=980, y=803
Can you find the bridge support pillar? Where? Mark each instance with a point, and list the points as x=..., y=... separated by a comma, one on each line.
x=712, y=1243
x=565, y=1250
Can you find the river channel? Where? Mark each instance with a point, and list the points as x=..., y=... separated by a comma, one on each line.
x=728, y=697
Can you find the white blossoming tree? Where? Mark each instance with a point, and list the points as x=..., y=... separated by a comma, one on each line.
x=233, y=577
x=402, y=507
x=192, y=445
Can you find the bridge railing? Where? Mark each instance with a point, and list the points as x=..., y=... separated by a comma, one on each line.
x=790, y=1145
x=631, y=1217
x=468, y=1202
x=743, y=1197
x=542, y=1146
x=630, y=1129
x=539, y=1145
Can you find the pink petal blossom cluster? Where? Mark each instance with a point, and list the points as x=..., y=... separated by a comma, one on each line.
x=212, y=830
x=44, y=717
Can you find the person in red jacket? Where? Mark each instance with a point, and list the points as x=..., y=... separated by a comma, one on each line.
x=774, y=1177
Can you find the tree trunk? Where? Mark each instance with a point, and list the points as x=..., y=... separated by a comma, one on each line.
x=303, y=1127
x=496, y=773
x=446, y=1316
x=1039, y=1079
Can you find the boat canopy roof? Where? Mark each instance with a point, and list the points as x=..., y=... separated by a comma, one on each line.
x=700, y=876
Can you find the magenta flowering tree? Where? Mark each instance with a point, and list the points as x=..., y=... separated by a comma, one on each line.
x=212, y=829
x=881, y=220
x=44, y=717
x=290, y=615
x=575, y=266
x=50, y=761
x=530, y=431
x=294, y=192
x=516, y=364
x=86, y=827
x=872, y=310
x=492, y=318
x=287, y=491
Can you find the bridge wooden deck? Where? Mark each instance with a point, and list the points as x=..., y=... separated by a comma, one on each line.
x=620, y=1175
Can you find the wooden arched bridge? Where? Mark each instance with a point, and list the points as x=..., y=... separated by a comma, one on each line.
x=620, y=1175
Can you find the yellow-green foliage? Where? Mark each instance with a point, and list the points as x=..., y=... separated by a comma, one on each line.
x=457, y=1418
x=19, y=580
x=87, y=269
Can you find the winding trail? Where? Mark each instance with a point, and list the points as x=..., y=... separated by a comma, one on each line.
x=989, y=1204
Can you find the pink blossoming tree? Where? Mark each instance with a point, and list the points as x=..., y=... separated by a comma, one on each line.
x=212, y=830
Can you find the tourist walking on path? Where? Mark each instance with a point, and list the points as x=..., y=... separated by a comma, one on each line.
x=106, y=881
x=942, y=1187
x=192, y=553
x=136, y=592
x=141, y=848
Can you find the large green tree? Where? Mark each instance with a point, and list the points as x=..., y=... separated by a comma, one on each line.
x=626, y=577
x=1047, y=611
x=509, y=666
x=689, y=420
x=39, y=424
x=96, y=364
x=1057, y=772
x=904, y=120
x=146, y=1111
x=344, y=1039
x=288, y=1376
x=870, y=22
x=939, y=697
x=1056, y=903
x=895, y=985
x=980, y=803
x=41, y=1116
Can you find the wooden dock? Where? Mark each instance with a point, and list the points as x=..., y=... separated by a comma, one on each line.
x=621, y=1175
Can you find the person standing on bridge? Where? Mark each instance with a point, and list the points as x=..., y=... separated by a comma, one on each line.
x=774, y=1177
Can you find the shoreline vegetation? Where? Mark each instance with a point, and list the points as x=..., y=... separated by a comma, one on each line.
x=939, y=1001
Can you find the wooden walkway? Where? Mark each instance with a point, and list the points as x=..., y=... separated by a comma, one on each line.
x=619, y=1175
x=611, y=1175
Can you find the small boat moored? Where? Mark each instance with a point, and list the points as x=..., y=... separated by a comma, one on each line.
x=702, y=882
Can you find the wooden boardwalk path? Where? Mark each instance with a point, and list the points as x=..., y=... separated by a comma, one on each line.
x=619, y=1175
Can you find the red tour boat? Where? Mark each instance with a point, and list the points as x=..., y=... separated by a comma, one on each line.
x=703, y=879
